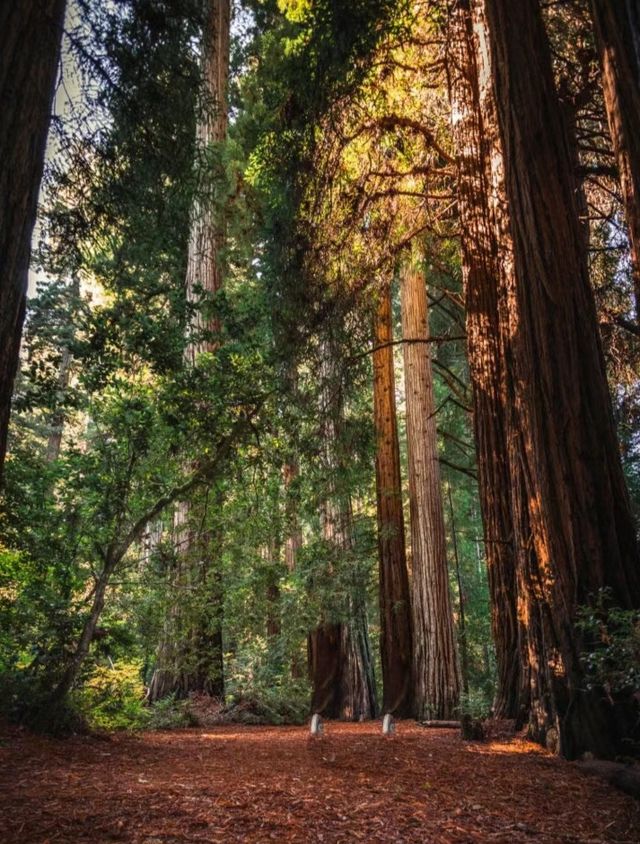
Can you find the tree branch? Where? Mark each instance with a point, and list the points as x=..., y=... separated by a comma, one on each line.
x=410, y=340
x=457, y=468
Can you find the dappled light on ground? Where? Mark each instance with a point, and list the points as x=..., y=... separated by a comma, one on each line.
x=256, y=784
x=508, y=748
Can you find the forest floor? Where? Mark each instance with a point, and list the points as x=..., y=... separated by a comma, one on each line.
x=260, y=784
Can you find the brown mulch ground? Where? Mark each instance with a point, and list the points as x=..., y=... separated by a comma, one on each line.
x=260, y=784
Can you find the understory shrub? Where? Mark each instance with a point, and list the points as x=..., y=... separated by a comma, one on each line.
x=612, y=656
x=112, y=698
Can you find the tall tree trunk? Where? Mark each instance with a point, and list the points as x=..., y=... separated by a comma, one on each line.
x=340, y=664
x=197, y=665
x=483, y=263
x=204, y=277
x=30, y=34
x=395, y=601
x=325, y=663
x=617, y=28
x=435, y=663
x=462, y=625
x=164, y=678
x=576, y=499
x=207, y=675
x=274, y=626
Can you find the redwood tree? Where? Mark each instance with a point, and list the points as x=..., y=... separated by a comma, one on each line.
x=574, y=490
x=435, y=664
x=483, y=263
x=395, y=606
x=617, y=28
x=30, y=35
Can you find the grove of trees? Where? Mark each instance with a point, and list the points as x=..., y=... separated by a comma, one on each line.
x=327, y=398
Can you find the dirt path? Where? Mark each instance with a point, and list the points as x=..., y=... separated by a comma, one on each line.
x=253, y=784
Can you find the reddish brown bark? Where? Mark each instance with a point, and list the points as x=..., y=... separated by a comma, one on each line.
x=204, y=271
x=274, y=626
x=340, y=670
x=435, y=664
x=325, y=660
x=474, y=132
x=617, y=28
x=576, y=499
x=30, y=34
x=395, y=606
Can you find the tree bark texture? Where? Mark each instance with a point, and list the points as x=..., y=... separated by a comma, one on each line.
x=483, y=262
x=435, y=662
x=617, y=29
x=395, y=599
x=576, y=498
x=204, y=276
x=30, y=35
x=325, y=662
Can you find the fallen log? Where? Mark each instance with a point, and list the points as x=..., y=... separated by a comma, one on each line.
x=441, y=725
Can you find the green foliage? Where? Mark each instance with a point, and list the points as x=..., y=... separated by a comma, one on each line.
x=307, y=238
x=136, y=420
x=612, y=656
x=169, y=714
x=261, y=692
x=112, y=697
x=476, y=704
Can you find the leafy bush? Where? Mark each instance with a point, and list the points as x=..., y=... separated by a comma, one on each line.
x=170, y=714
x=25, y=698
x=112, y=698
x=476, y=704
x=261, y=691
x=612, y=658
